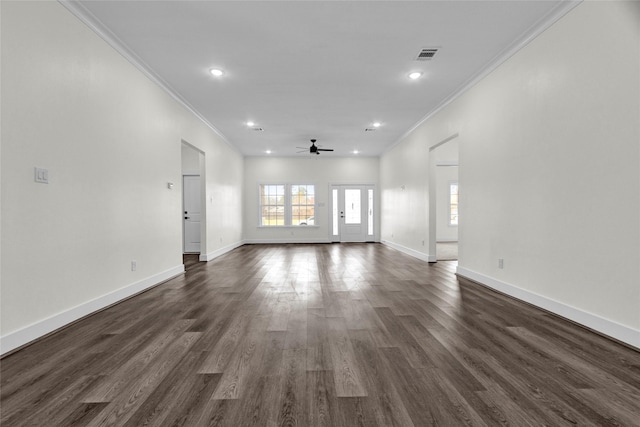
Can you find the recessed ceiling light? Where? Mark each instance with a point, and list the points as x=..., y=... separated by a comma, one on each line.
x=216, y=72
x=250, y=124
x=415, y=75
x=355, y=151
x=268, y=151
x=376, y=125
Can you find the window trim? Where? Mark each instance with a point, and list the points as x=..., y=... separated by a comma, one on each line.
x=260, y=205
x=288, y=205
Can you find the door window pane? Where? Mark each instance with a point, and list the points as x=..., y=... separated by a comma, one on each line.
x=334, y=214
x=352, y=207
x=370, y=214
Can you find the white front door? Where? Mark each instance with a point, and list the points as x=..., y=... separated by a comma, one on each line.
x=191, y=204
x=352, y=213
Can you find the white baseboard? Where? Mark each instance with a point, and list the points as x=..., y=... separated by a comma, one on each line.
x=39, y=329
x=601, y=325
x=218, y=252
x=285, y=241
x=409, y=251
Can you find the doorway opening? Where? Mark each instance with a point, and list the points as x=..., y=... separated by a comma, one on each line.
x=193, y=201
x=353, y=213
x=443, y=200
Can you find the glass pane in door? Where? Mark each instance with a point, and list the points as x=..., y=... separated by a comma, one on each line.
x=352, y=212
x=335, y=211
x=370, y=213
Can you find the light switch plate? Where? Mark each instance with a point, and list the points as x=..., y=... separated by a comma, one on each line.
x=41, y=175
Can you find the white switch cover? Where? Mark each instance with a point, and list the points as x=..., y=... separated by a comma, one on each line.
x=42, y=175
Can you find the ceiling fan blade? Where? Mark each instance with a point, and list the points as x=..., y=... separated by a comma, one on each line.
x=325, y=149
x=302, y=151
x=303, y=148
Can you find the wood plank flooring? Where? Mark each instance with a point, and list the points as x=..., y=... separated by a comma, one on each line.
x=321, y=335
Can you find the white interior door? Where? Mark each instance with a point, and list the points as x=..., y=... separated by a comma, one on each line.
x=352, y=213
x=191, y=204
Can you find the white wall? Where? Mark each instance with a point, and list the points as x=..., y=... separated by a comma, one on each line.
x=404, y=183
x=322, y=171
x=190, y=160
x=550, y=171
x=111, y=140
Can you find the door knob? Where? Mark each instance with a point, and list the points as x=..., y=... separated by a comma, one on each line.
x=186, y=217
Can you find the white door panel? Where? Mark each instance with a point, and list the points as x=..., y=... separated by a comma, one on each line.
x=352, y=213
x=191, y=204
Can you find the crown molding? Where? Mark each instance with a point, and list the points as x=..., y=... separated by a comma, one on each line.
x=91, y=21
x=539, y=27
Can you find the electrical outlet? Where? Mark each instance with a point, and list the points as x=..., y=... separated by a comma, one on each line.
x=134, y=265
x=423, y=243
x=500, y=263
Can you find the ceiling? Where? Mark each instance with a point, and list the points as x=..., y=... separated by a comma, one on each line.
x=316, y=69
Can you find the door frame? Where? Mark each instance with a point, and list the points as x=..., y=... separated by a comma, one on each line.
x=432, y=256
x=203, y=199
x=376, y=210
x=184, y=234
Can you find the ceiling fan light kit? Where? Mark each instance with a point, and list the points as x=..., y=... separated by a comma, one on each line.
x=439, y=49
x=314, y=149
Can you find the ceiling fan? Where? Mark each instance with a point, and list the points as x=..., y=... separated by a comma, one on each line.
x=314, y=148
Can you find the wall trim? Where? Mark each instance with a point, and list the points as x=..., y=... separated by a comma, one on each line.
x=286, y=241
x=219, y=252
x=447, y=163
x=591, y=321
x=530, y=34
x=412, y=252
x=90, y=20
x=25, y=336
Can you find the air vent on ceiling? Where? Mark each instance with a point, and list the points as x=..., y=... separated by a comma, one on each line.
x=426, y=54
x=370, y=129
x=257, y=129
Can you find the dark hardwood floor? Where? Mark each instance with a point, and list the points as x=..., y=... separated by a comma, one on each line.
x=321, y=335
